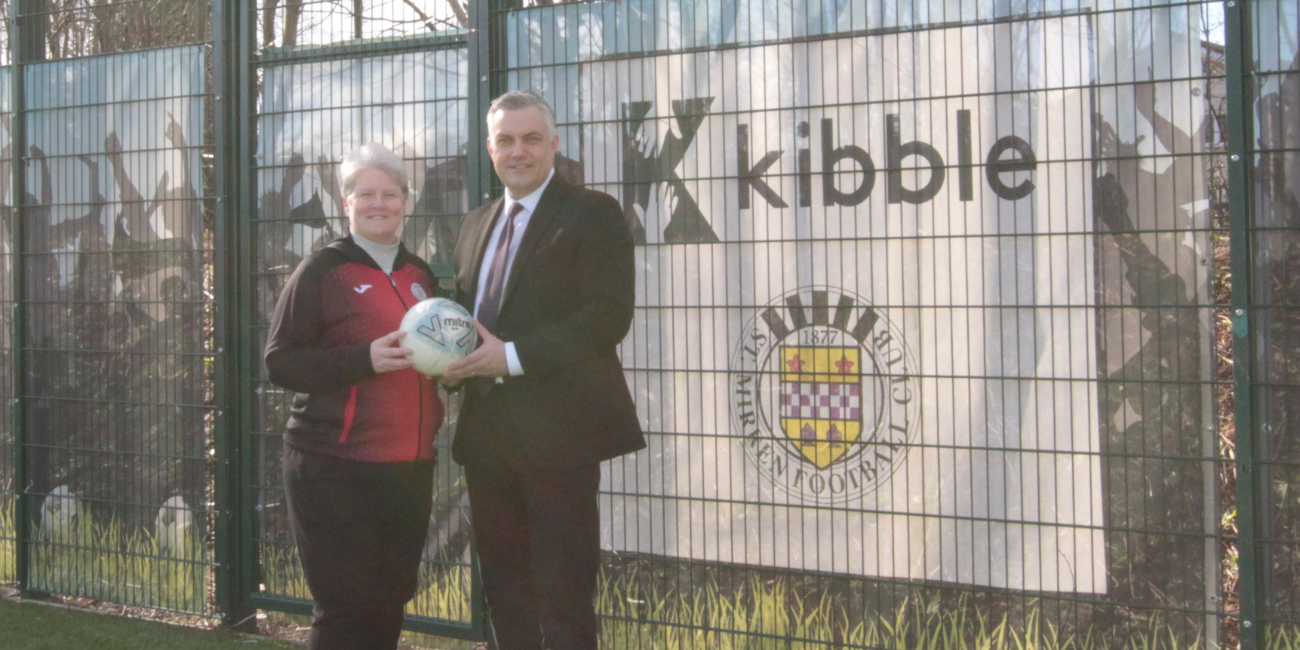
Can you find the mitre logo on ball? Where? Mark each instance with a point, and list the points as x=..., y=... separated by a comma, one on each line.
x=438, y=332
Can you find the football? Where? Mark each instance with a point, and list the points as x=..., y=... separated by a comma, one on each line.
x=438, y=332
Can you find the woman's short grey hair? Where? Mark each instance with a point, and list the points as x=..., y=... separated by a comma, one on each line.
x=521, y=99
x=373, y=156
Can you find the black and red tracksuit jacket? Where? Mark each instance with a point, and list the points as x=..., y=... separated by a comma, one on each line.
x=335, y=304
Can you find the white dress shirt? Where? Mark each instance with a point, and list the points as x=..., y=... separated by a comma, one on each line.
x=521, y=224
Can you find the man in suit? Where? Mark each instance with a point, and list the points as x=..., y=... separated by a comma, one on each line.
x=548, y=270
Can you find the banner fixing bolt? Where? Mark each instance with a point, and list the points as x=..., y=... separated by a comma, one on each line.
x=1241, y=312
x=1235, y=157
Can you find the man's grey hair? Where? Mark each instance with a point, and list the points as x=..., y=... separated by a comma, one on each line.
x=521, y=99
x=373, y=156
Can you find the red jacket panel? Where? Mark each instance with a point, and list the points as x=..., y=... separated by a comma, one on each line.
x=335, y=304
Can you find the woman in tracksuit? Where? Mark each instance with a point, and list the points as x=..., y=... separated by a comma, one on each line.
x=358, y=456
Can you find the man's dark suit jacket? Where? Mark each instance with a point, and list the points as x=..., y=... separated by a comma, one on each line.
x=568, y=304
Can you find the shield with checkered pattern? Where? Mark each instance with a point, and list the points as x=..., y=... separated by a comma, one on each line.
x=821, y=401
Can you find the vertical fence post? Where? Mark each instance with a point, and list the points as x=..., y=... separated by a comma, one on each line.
x=486, y=53
x=225, y=542
x=478, y=175
x=229, y=88
x=1240, y=103
x=17, y=180
x=27, y=44
x=479, y=169
x=243, y=145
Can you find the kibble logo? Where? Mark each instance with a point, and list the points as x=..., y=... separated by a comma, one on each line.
x=822, y=387
x=845, y=172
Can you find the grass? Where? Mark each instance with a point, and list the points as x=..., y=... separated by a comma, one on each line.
x=443, y=593
x=767, y=615
x=29, y=626
x=107, y=563
x=8, y=570
x=1282, y=637
x=103, y=562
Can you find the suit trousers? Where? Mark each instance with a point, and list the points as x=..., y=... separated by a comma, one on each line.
x=360, y=529
x=538, y=537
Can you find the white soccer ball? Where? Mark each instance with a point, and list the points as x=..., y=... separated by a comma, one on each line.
x=438, y=332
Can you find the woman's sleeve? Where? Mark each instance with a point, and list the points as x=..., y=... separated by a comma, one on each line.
x=294, y=358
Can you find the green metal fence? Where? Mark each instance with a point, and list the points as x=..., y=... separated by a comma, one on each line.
x=1036, y=258
x=7, y=399
x=110, y=249
x=1265, y=301
x=318, y=99
x=1000, y=210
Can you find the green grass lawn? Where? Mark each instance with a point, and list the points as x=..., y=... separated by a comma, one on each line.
x=28, y=626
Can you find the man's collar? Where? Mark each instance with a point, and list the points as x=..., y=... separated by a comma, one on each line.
x=530, y=201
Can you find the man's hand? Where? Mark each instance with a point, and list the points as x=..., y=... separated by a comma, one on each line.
x=387, y=355
x=489, y=360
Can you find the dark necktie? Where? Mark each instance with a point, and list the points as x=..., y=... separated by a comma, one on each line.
x=490, y=304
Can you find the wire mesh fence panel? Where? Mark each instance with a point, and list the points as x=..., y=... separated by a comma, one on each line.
x=320, y=99
x=1275, y=252
x=334, y=23
x=117, y=257
x=924, y=325
x=935, y=309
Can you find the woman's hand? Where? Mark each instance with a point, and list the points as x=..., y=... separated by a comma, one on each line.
x=386, y=353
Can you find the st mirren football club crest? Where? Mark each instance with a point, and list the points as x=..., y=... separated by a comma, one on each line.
x=823, y=388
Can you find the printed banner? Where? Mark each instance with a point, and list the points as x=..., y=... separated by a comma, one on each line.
x=114, y=248
x=311, y=115
x=866, y=340
x=314, y=113
x=115, y=145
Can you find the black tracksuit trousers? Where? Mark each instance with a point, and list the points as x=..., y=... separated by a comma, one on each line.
x=360, y=529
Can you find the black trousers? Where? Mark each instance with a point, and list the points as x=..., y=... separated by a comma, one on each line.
x=360, y=529
x=538, y=537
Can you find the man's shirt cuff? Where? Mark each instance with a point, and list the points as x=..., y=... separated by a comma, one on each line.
x=512, y=360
